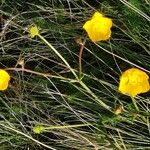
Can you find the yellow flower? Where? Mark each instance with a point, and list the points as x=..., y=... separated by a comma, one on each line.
x=98, y=28
x=33, y=30
x=4, y=79
x=38, y=129
x=134, y=81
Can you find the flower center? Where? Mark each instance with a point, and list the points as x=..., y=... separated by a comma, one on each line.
x=135, y=80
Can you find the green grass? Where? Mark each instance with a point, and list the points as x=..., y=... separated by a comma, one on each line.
x=44, y=92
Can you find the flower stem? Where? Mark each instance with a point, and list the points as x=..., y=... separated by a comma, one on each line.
x=134, y=103
x=137, y=108
x=94, y=96
x=58, y=54
x=80, y=58
x=66, y=126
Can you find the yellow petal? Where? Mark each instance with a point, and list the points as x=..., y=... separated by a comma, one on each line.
x=38, y=129
x=133, y=82
x=97, y=15
x=3, y=85
x=4, y=79
x=33, y=30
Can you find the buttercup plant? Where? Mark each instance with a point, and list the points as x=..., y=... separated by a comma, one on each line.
x=133, y=82
x=40, y=128
x=98, y=28
x=34, y=31
x=56, y=97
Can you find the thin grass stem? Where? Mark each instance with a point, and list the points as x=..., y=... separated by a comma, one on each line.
x=58, y=54
x=80, y=58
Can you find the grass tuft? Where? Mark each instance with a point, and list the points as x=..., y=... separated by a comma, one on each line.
x=72, y=106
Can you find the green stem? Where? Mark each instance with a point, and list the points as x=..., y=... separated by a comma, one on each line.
x=134, y=103
x=137, y=108
x=67, y=126
x=58, y=54
x=94, y=96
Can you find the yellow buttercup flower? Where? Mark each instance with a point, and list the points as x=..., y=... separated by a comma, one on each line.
x=33, y=30
x=38, y=129
x=133, y=82
x=98, y=28
x=4, y=79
